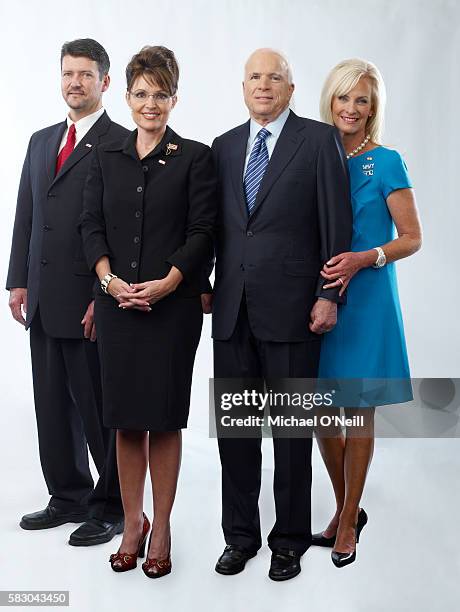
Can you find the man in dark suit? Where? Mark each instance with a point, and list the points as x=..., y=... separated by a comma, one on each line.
x=284, y=212
x=50, y=282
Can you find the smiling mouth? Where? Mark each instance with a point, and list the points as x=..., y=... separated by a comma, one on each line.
x=150, y=115
x=349, y=119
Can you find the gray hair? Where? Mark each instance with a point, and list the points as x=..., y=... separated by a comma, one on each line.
x=284, y=62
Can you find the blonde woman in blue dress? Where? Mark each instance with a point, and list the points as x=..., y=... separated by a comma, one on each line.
x=368, y=340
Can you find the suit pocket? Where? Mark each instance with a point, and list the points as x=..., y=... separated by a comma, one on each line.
x=80, y=268
x=301, y=267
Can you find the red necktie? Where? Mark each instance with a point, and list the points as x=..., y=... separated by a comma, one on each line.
x=67, y=148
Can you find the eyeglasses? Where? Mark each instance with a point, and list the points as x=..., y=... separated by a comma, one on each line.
x=142, y=96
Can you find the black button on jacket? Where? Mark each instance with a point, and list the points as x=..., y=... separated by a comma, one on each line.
x=157, y=218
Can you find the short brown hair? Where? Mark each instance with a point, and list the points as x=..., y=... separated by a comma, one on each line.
x=87, y=47
x=156, y=64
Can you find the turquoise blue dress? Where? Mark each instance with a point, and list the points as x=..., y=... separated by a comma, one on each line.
x=368, y=341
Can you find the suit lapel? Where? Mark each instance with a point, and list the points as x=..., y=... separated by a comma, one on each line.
x=289, y=141
x=238, y=152
x=52, y=147
x=85, y=146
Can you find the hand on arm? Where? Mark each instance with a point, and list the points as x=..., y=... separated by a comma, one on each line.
x=18, y=304
x=340, y=269
x=401, y=204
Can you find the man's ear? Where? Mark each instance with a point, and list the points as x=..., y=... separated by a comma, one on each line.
x=105, y=83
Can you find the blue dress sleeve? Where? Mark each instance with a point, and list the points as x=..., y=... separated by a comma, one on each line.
x=395, y=174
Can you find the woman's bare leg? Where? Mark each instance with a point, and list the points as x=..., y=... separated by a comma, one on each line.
x=359, y=448
x=331, y=443
x=164, y=461
x=132, y=466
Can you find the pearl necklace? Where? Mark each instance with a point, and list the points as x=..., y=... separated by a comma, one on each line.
x=361, y=146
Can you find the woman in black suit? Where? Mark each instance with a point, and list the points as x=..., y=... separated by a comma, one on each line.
x=147, y=232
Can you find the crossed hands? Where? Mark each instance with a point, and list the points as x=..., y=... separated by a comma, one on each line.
x=140, y=296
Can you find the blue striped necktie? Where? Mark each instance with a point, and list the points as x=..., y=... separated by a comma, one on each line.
x=257, y=164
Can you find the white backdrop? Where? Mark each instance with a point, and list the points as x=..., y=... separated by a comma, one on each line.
x=416, y=45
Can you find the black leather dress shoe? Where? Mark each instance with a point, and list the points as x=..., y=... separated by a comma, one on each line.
x=285, y=564
x=95, y=531
x=233, y=559
x=51, y=517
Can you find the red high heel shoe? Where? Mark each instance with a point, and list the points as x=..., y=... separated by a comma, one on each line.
x=121, y=561
x=156, y=568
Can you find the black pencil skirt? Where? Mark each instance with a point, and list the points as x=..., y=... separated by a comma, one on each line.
x=147, y=362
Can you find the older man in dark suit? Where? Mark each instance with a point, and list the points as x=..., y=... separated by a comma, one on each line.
x=284, y=212
x=50, y=282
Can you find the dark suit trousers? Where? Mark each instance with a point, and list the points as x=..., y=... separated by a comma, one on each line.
x=68, y=406
x=244, y=356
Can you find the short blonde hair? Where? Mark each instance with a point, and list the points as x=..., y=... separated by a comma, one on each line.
x=342, y=79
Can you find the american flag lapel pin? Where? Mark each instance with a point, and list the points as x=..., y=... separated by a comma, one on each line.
x=88, y=145
x=170, y=147
x=162, y=161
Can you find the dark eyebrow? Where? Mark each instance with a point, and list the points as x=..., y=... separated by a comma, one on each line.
x=162, y=91
x=80, y=71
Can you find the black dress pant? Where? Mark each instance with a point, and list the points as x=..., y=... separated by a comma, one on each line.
x=244, y=356
x=68, y=407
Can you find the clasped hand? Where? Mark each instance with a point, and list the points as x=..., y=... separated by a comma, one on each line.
x=139, y=296
x=340, y=269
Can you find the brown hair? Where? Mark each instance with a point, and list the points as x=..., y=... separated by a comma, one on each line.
x=156, y=64
x=87, y=47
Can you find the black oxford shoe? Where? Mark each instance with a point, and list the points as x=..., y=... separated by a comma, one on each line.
x=51, y=517
x=95, y=531
x=285, y=564
x=233, y=559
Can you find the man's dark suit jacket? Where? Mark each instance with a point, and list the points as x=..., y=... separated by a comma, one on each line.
x=302, y=217
x=46, y=254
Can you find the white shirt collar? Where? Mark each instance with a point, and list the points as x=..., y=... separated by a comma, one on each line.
x=274, y=127
x=82, y=126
